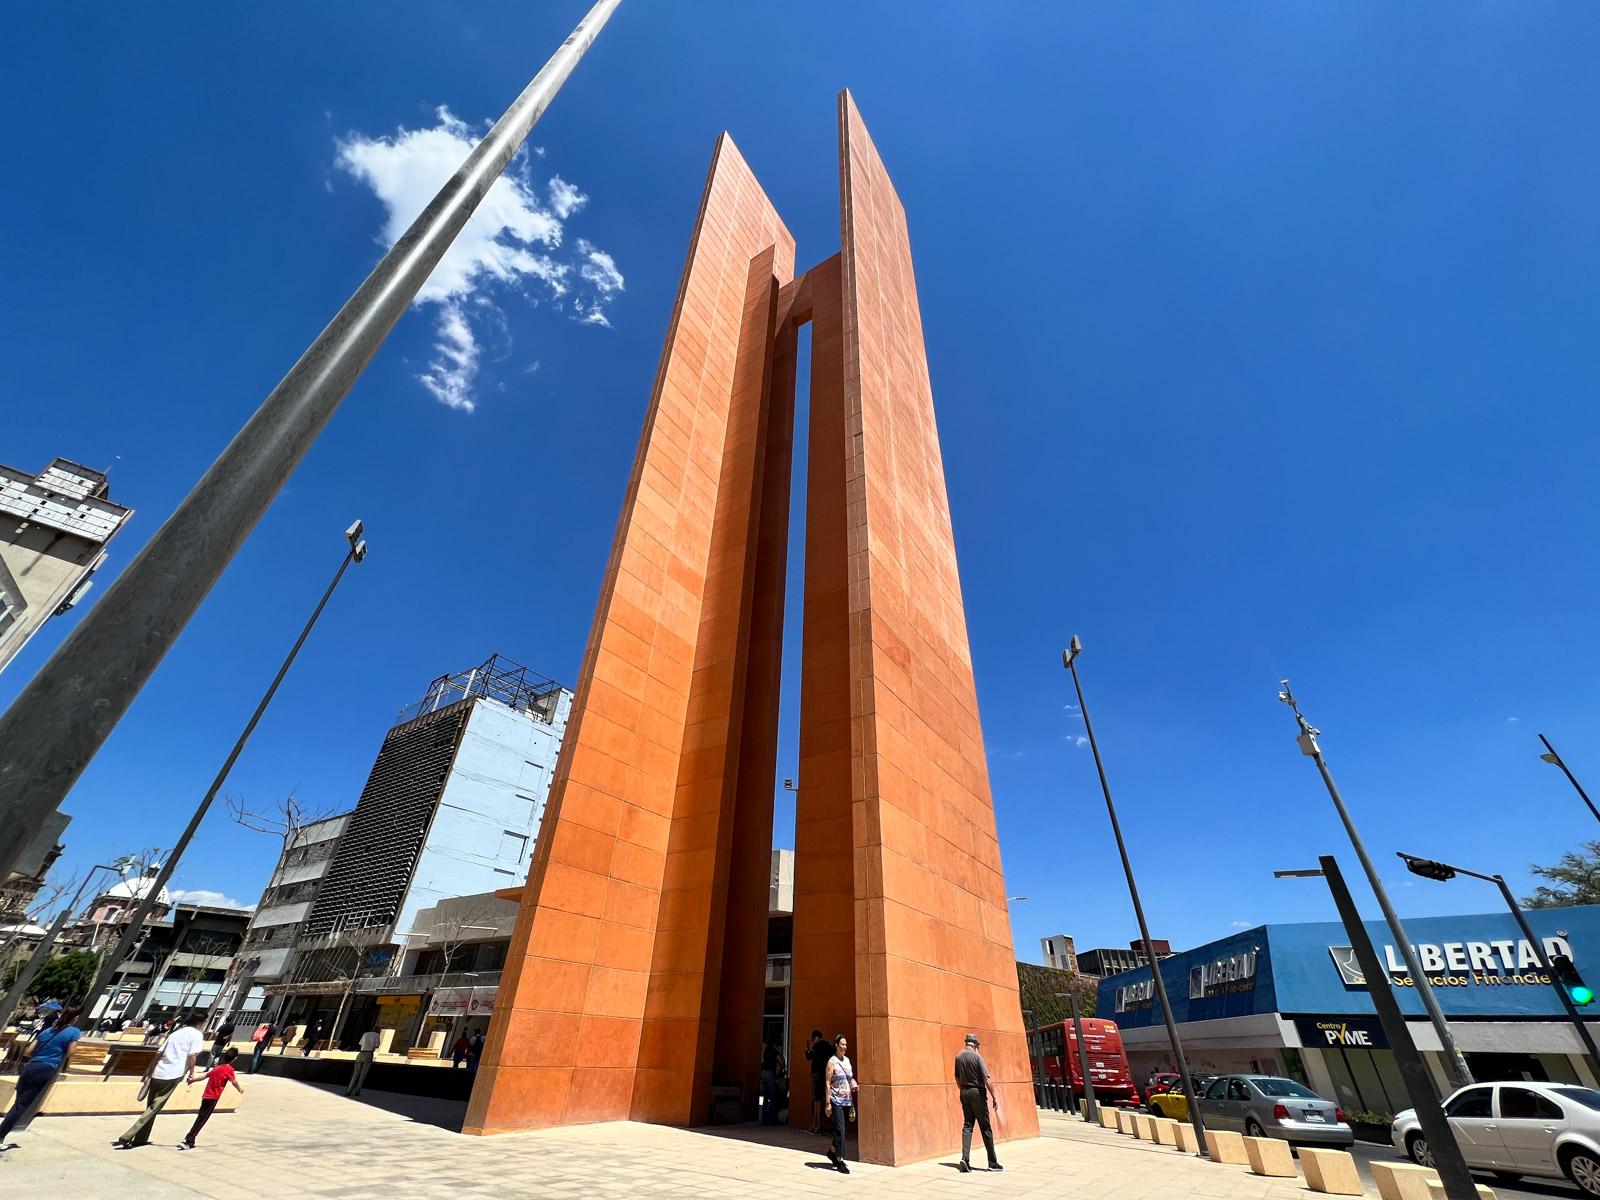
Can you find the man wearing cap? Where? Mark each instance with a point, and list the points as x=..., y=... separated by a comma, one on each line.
x=972, y=1078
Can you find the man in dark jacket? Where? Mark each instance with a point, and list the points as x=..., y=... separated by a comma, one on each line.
x=972, y=1078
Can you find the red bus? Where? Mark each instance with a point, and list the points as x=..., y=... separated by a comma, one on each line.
x=1054, y=1051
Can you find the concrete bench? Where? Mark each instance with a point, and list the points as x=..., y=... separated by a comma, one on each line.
x=1144, y=1127
x=89, y=1096
x=1108, y=1117
x=1403, y=1180
x=1124, y=1120
x=1165, y=1131
x=1270, y=1156
x=1331, y=1171
x=1436, y=1189
x=417, y=1052
x=1225, y=1146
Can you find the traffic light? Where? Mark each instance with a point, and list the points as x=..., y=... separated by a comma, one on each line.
x=1579, y=992
x=1428, y=869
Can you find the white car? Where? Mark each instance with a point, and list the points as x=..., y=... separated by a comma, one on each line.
x=1516, y=1129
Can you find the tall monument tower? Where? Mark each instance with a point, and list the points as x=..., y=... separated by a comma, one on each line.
x=634, y=979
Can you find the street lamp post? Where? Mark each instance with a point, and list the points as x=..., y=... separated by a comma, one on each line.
x=1550, y=756
x=1442, y=1145
x=1069, y=659
x=41, y=952
x=1093, y=1113
x=1429, y=868
x=1455, y=1064
x=59, y=721
x=355, y=553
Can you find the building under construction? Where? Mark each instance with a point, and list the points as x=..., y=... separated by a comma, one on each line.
x=451, y=808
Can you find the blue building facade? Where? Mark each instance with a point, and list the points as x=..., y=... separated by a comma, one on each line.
x=1290, y=999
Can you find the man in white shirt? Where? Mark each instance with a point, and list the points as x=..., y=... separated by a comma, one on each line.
x=358, y=1076
x=178, y=1056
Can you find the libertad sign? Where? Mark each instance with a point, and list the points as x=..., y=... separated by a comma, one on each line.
x=1460, y=964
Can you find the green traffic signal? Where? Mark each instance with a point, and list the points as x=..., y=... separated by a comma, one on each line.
x=1579, y=992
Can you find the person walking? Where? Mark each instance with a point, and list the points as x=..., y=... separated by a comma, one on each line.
x=45, y=1058
x=308, y=1047
x=817, y=1054
x=771, y=1065
x=459, y=1050
x=222, y=1040
x=840, y=1104
x=263, y=1038
x=972, y=1078
x=178, y=1056
x=358, y=1073
x=474, y=1051
x=217, y=1080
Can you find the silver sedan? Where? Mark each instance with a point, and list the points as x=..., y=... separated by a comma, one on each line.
x=1270, y=1106
x=1514, y=1129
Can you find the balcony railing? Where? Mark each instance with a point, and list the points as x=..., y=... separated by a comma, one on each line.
x=369, y=985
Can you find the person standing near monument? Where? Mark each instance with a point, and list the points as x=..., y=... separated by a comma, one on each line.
x=841, y=1101
x=179, y=1054
x=358, y=1073
x=817, y=1054
x=972, y=1078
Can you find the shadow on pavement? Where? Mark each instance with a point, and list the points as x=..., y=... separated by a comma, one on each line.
x=448, y=1115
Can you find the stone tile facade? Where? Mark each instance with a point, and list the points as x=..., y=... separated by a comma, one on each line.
x=635, y=976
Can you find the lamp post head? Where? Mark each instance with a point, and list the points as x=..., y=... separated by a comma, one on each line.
x=1071, y=652
x=359, y=550
x=353, y=534
x=1309, y=873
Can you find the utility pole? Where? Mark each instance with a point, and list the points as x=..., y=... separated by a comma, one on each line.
x=58, y=722
x=1092, y=1115
x=1069, y=659
x=1447, y=1159
x=109, y=964
x=1455, y=1065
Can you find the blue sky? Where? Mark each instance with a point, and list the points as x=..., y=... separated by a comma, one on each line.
x=1261, y=335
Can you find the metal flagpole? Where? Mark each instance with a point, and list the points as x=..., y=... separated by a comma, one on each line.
x=57, y=723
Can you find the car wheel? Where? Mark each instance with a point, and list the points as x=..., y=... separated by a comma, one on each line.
x=1583, y=1168
x=1417, y=1148
x=1252, y=1129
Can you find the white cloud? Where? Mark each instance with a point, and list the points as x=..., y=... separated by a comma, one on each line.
x=455, y=360
x=512, y=243
x=564, y=198
x=202, y=896
x=1076, y=739
x=1513, y=720
x=1240, y=924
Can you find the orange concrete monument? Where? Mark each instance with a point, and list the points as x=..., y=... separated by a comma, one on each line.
x=634, y=980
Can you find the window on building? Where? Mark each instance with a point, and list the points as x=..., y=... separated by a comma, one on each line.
x=513, y=846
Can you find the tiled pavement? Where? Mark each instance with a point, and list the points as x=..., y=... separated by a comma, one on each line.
x=292, y=1139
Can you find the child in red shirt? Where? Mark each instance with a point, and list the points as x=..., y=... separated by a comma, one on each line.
x=217, y=1079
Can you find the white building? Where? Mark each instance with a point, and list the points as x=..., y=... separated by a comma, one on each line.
x=54, y=528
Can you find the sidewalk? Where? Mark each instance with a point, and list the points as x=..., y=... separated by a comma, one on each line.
x=296, y=1140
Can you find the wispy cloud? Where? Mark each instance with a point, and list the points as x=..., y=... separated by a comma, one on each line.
x=513, y=244
x=1241, y=924
x=1513, y=720
x=1075, y=739
x=208, y=898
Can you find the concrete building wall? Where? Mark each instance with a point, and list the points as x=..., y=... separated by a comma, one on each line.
x=484, y=830
x=54, y=527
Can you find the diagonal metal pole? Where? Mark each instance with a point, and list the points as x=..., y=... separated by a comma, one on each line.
x=135, y=924
x=1446, y=1152
x=57, y=723
x=1070, y=661
x=1550, y=756
x=1455, y=1064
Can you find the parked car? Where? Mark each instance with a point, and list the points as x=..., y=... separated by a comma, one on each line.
x=1270, y=1106
x=1173, y=1103
x=1162, y=1082
x=1516, y=1129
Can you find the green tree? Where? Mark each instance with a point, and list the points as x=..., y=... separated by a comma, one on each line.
x=1576, y=880
x=1039, y=985
x=66, y=977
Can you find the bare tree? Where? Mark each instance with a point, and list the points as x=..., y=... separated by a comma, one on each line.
x=284, y=819
x=462, y=925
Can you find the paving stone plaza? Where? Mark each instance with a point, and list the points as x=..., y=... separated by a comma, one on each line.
x=290, y=1139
